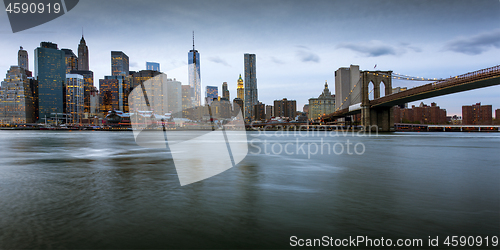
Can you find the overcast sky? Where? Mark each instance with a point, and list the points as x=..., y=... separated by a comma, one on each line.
x=298, y=44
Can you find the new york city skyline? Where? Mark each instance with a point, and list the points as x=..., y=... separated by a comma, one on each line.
x=298, y=44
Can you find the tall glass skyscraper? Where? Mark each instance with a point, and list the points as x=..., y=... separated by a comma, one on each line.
x=194, y=74
x=50, y=71
x=119, y=64
x=251, y=97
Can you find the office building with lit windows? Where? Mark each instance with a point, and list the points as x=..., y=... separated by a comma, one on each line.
x=18, y=100
x=22, y=59
x=240, y=89
x=71, y=60
x=119, y=64
x=50, y=71
x=74, y=97
x=113, y=94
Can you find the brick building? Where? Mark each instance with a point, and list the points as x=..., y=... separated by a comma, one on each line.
x=477, y=115
x=422, y=114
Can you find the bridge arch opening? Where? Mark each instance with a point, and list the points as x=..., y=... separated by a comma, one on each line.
x=371, y=90
x=382, y=89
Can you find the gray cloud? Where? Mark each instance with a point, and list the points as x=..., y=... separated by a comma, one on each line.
x=305, y=55
x=475, y=45
x=371, y=49
x=217, y=59
x=276, y=60
x=377, y=48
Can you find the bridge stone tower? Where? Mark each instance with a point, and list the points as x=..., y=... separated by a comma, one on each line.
x=380, y=116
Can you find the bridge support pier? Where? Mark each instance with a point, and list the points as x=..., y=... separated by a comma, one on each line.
x=381, y=119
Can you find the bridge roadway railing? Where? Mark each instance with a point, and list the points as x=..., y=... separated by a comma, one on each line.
x=457, y=80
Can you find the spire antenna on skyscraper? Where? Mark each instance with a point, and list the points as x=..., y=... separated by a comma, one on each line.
x=193, y=39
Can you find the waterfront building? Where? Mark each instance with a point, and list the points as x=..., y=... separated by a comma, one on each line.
x=211, y=93
x=119, y=64
x=323, y=105
x=194, y=74
x=251, y=95
x=260, y=111
x=240, y=89
x=497, y=116
x=345, y=80
x=70, y=60
x=113, y=94
x=285, y=108
x=269, y=112
x=22, y=58
x=423, y=114
x=94, y=103
x=139, y=77
x=83, y=55
x=50, y=71
x=88, y=86
x=477, y=114
x=74, y=97
x=18, y=100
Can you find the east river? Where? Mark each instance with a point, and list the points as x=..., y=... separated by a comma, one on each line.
x=100, y=190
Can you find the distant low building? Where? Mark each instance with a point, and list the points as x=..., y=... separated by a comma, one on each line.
x=497, y=116
x=477, y=114
x=422, y=114
x=285, y=108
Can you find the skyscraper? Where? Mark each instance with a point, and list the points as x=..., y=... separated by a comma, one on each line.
x=119, y=64
x=251, y=97
x=240, y=89
x=17, y=97
x=194, y=74
x=71, y=60
x=83, y=55
x=153, y=66
x=74, y=97
x=50, y=71
x=212, y=92
x=113, y=92
x=225, y=91
x=22, y=59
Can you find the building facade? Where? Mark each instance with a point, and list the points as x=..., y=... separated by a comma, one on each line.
x=345, y=80
x=71, y=60
x=194, y=75
x=50, y=71
x=153, y=66
x=423, y=114
x=225, y=91
x=119, y=64
x=18, y=102
x=477, y=114
x=240, y=89
x=260, y=111
x=74, y=97
x=269, y=112
x=113, y=94
x=22, y=59
x=285, y=108
x=323, y=105
x=83, y=55
x=211, y=93
x=238, y=106
x=251, y=95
